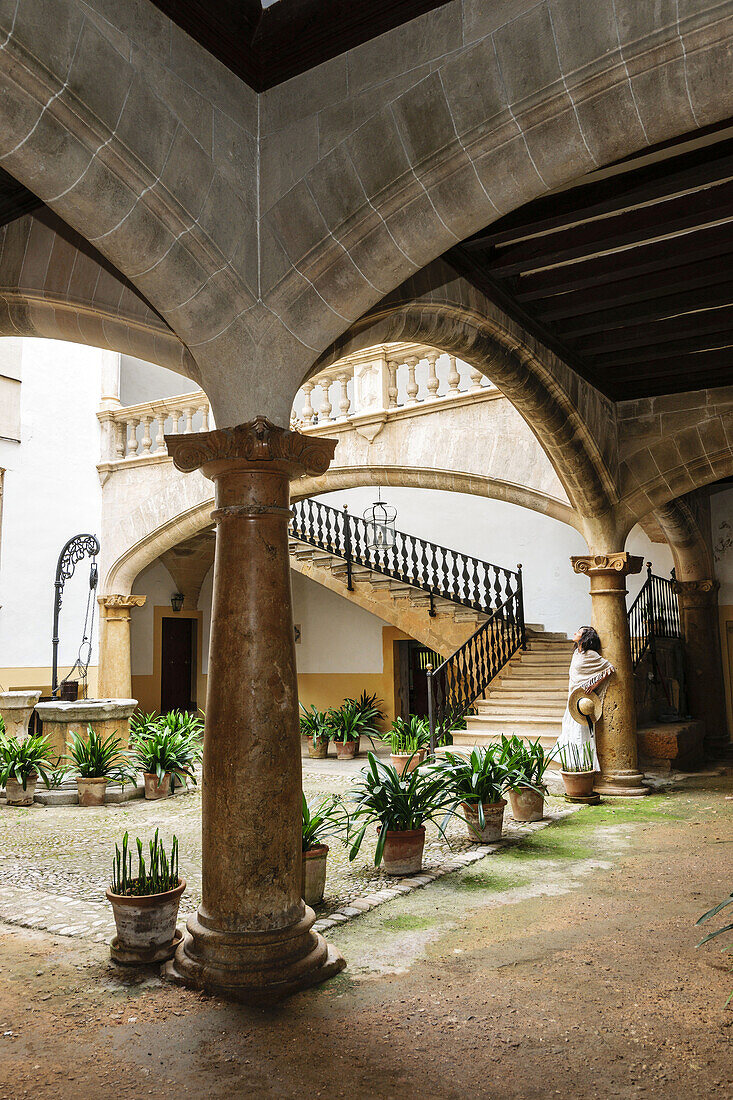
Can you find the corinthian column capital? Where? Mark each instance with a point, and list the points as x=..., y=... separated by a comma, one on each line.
x=619, y=564
x=258, y=444
x=701, y=593
x=117, y=602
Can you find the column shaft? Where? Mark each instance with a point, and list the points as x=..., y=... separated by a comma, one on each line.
x=115, y=670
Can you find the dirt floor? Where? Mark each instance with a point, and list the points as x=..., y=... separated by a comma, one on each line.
x=563, y=966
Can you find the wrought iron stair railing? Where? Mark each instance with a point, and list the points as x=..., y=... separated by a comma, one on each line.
x=427, y=566
x=655, y=613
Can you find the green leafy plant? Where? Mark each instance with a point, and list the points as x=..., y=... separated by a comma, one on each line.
x=444, y=730
x=182, y=722
x=97, y=758
x=527, y=761
x=56, y=775
x=397, y=802
x=345, y=723
x=576, y=758
x=314, y=724
x=408, y=736
x=719, y=931
x=156, y=877
x=479, y=779
x=23, y=760
x=327, y=818
x=371, y=713
x=163, y=746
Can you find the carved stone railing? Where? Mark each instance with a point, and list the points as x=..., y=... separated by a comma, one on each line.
x=365, y=390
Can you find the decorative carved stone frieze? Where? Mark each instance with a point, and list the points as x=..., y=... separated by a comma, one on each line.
x=118, y=602
x=620, y=564
x=257, y=442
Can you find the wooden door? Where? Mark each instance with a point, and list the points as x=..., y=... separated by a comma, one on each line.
x=177, y=665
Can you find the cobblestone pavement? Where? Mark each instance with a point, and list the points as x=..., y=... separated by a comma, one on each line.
x=55, y=861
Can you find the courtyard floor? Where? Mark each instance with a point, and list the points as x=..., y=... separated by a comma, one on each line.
x=563, y=964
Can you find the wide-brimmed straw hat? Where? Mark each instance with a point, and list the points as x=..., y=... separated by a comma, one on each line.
x=584, y=704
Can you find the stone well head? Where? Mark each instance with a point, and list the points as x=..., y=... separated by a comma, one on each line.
x=16, y=708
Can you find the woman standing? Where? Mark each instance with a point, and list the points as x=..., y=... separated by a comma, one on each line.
x=589, y=672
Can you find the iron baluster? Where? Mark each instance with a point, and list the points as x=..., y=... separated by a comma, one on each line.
x=347, y=548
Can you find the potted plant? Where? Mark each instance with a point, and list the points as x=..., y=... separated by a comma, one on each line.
x=320, y=820
x=21, y=762
x=346, y=724
x=315, y=728
x=527, y=763
x=166, y=750
x=371, y=716
x=408, y=742
x=478, y=782
x=96, y=761
x=399, y=806
x=145, y=905
x=577, y=768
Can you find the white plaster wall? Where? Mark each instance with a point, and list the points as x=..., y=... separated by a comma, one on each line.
x=721, y=509
x=336, y=636
x=156, y=583
x=52, y=492
x=141, y=381
x=506, y=534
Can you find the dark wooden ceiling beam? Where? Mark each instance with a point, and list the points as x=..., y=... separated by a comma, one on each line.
x=683, y=349
x=672, y=329
x=657, y=309
x=638, y=227
x=644, y=260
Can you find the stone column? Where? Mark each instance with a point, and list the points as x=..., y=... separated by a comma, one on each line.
x=252, y=938
x=703, y=660
x=616, y=730
x=115, y=673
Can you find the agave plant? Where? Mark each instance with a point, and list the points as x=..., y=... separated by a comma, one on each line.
x=395, y=802
x=479, y=779
x=719, y=931
x=24, y=760
x=98, y=758
x=314, y=724
x=156, y=877
x=166, y=747
x=328, y=817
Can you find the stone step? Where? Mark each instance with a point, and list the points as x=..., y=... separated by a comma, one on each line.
x=544, y=722
x=522, y=711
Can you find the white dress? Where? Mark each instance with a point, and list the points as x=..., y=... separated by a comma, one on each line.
x=590, y=671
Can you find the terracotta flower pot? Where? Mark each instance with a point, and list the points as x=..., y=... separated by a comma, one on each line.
x=146, y=926
x=346, y=750
x=314, y=874
x=92, y=791
x=16, y=796
x=578, y=784
x=403, y=762
x=403, y=851
x=319, y=751
x=154, y=789
x=527, y=805
x=493, y=820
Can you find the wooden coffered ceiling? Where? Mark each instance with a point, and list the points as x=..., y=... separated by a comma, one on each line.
x=628, y=275
x=265, y=46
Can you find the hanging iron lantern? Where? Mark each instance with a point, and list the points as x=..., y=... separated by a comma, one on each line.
x=380, y=519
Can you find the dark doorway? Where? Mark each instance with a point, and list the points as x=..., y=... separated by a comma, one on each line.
x=414, y=659
x=177, y=691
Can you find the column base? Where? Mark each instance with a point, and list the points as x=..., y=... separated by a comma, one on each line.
x=621, y=784
x=253, y=967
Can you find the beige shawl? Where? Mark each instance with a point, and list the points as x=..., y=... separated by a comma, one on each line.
x=589, y=671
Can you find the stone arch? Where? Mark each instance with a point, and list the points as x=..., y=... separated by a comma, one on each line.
x=54, y=285
x=572, y=421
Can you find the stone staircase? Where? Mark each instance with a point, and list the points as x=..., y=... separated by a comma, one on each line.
x=397, y=603
x=528, y=697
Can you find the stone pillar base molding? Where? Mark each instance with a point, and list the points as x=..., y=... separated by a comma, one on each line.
x=254, y=967
x=621, y=784
x=252, y=939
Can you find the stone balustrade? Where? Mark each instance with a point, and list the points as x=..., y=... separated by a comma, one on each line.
x=364, y=388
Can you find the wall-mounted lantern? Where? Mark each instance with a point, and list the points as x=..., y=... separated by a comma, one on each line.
x=177, y=601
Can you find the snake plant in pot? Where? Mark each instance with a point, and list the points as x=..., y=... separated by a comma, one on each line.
x=21, y=762
x=327, y=818
x=315, y=729
x=478, y=782
x=166, y=750
x=408, y=742
x=96, y=760
x=528, y=762
x=145, y=903
x=399, y=805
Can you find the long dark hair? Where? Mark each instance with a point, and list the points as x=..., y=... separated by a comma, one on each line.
x=588, y=640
